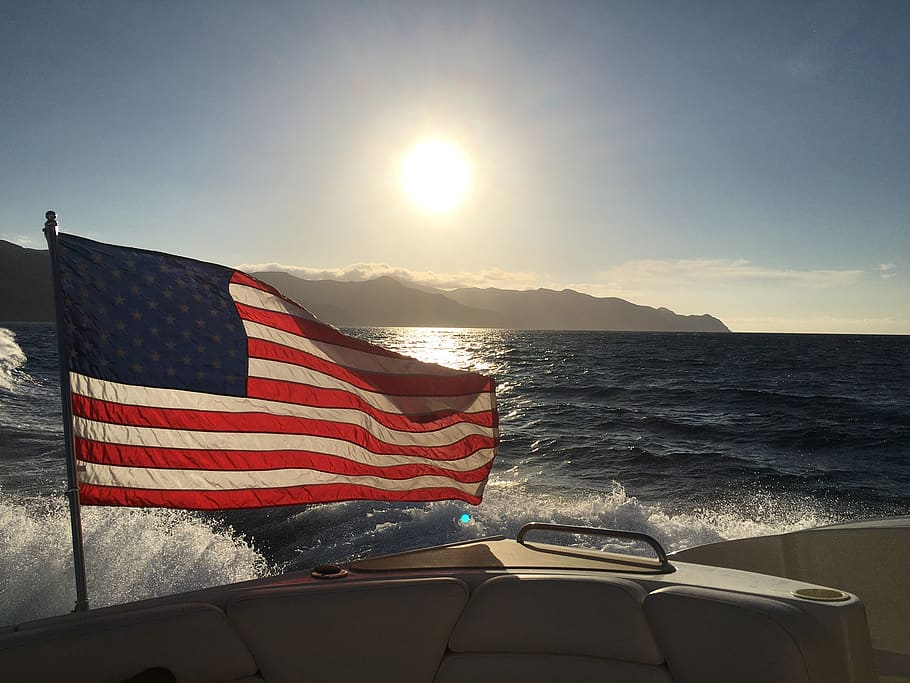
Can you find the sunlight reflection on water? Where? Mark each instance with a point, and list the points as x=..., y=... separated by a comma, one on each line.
x=458, y=348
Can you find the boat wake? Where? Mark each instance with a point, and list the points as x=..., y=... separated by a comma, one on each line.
x=345, y=531
x=133, y=554
x=11, y=359
x=130, y=555
x=617, y=509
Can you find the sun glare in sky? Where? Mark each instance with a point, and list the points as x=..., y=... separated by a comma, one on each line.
x=436, y=176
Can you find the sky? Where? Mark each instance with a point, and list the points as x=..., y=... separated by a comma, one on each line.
x=750, y=160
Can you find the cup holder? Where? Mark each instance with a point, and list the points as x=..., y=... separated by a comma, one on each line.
x=821, y=594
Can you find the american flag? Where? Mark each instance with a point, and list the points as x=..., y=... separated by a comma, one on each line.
x=197, y=386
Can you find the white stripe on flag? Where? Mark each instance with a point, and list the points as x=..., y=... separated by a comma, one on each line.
x=222, y=480
x=257, y=298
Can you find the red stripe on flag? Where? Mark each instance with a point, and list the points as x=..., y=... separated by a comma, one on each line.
x=239, y=278
x=307, y=395
x=311, y=329
x=90, y=494
x=186, y=459
x=381, y=382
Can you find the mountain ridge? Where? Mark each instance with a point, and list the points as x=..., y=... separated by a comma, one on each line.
x=26, y=296
x=550, y=309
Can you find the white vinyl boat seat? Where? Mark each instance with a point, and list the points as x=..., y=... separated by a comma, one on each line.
x=191, y=641
x=542, y=628
x=514, y=627
x=387, y=630
x=710, y=635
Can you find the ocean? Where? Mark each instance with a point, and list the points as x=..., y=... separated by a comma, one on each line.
x=692, y=438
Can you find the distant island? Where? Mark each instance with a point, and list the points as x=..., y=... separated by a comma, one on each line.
x=25, y=296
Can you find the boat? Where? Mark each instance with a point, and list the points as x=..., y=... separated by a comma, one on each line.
x=556, y=603
x=826, y=605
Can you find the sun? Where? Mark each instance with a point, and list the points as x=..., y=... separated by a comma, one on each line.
x=436, y=176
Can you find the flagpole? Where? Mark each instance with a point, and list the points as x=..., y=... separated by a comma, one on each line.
x=72, y=491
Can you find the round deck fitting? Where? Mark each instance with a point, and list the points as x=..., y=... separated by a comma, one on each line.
x=329, y=571
x=821, y=594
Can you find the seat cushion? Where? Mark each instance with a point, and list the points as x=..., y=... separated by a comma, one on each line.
x=711, y=635
x=393, y=630
x=591, y=617
x=193, y=641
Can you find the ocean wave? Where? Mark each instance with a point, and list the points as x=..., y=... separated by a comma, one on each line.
x=510, y=509
x=346, y=531
x=11, y=359
x=130, y=555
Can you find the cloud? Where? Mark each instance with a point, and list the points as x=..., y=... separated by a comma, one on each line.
x=887, y=270
x=693, y=272
x=358, y=272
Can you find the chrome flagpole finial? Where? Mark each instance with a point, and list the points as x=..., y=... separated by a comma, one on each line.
x=51, y=222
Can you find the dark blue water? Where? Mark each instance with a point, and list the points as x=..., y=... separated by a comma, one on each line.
x=689, y=437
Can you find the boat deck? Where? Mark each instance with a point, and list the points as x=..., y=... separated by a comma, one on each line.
x=489, y=610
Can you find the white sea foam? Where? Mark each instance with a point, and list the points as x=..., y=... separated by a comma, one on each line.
x=11, y=358
x=130, y=555
x=343, y=532
x=135, y=554
x=506, y=510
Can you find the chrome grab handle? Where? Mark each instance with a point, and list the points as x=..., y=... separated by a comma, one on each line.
x=593, y=531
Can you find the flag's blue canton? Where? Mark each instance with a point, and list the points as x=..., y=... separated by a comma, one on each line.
x=150, y=319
